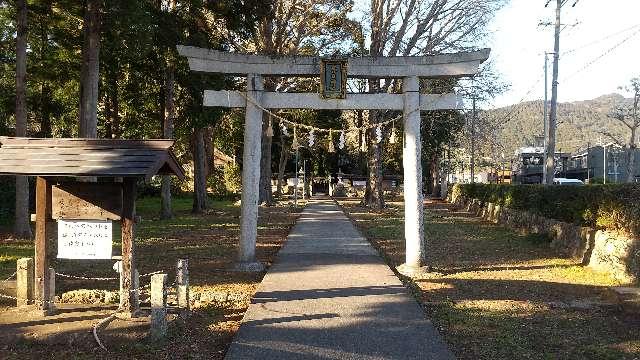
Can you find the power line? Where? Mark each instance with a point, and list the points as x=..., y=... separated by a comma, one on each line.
x=507, y=118
x=599, y=40
x=596, y=59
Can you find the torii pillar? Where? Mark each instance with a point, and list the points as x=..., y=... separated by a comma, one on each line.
x=411, y=162
x=251, y=177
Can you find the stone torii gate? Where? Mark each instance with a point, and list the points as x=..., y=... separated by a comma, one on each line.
x=410, y=69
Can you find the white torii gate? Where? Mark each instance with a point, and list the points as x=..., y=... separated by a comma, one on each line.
x=409, y=68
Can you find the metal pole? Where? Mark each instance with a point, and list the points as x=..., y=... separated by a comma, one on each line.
x=304, y=178
x=544, y=122
x=615, y=167
x=473, y=141
x=604, y=151
x=588, y=148
x=295, y=188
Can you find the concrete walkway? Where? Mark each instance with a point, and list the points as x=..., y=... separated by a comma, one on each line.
x=329, y=295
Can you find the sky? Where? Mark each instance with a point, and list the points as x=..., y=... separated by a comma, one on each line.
x=593, y=28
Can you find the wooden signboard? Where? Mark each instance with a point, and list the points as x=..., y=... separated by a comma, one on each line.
x=85, y=239
x=333, y=78
x=87, y=201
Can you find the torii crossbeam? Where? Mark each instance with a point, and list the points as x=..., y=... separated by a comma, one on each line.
x=411, y=102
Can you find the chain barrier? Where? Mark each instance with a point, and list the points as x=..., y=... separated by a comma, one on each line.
x=10, y=277
x=86, y=278
x=101, y=278
x=8, y=297
x=152, y=273
x=5, y=280
x=35, y=301
x=101, y=323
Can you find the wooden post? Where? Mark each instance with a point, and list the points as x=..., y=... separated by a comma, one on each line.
x=182, y=283
x=24, y=282
x=128, y=302
x=413, y=196
x=158, y=306
x=251, y=177
x=43, y=211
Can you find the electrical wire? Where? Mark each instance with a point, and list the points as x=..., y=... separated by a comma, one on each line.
x=570, y=51
x=599, y=57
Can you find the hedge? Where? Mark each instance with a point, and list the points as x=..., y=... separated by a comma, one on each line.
x=611, y=207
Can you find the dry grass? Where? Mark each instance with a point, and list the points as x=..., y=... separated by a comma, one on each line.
x=208, y=241
x=497, y=294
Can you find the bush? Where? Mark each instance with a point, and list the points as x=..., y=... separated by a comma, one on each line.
x=610, y=207
x=154, y=187
x=225, y=182
x=233, y=178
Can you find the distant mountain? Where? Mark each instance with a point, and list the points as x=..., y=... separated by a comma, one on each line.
x=579, y=123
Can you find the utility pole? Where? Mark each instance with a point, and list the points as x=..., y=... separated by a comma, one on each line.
x=473, y=140
x=551, y=144
x=544, y=117
x=604, y=165
x=588, y=151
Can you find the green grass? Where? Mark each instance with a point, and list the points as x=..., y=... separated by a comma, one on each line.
x=497, y=294
x=151, y=230
x=10, y=253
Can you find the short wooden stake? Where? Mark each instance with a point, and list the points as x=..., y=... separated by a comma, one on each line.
x=52, y=288
x=182, y=283
x=158, y=306
x=24, y=282
x=136, y=286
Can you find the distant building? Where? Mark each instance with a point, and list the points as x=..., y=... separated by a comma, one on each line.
x=528, y=167
x=600, y=163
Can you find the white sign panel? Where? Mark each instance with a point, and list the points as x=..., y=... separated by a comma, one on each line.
x=84, y=239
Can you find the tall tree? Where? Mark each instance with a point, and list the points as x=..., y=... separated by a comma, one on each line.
x=418, y=27
x=90, y=71
x=169, y=117
x=292, y=27
x=22, y=227
x=627, y=114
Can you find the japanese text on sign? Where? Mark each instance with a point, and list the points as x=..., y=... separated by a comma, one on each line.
x=84, y=239
x=333, y=78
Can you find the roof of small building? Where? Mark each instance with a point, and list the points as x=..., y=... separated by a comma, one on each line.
x=88, y=157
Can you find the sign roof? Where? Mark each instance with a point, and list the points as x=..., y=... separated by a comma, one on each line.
x=88, y=157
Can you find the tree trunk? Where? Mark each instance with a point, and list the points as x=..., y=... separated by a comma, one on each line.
x=113, y=117
x=435, y=170
x=22, y=226
x=265, y=195
x=374, y=195
x=167, y=132
x=90, y=71
x=631, y=157
x=444, y=185
x=209, y=150
x=282, y=164
x=45, y=111
x=374, y=198
x=199, y=175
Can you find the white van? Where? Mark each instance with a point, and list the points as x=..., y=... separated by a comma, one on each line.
x=565, y=181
